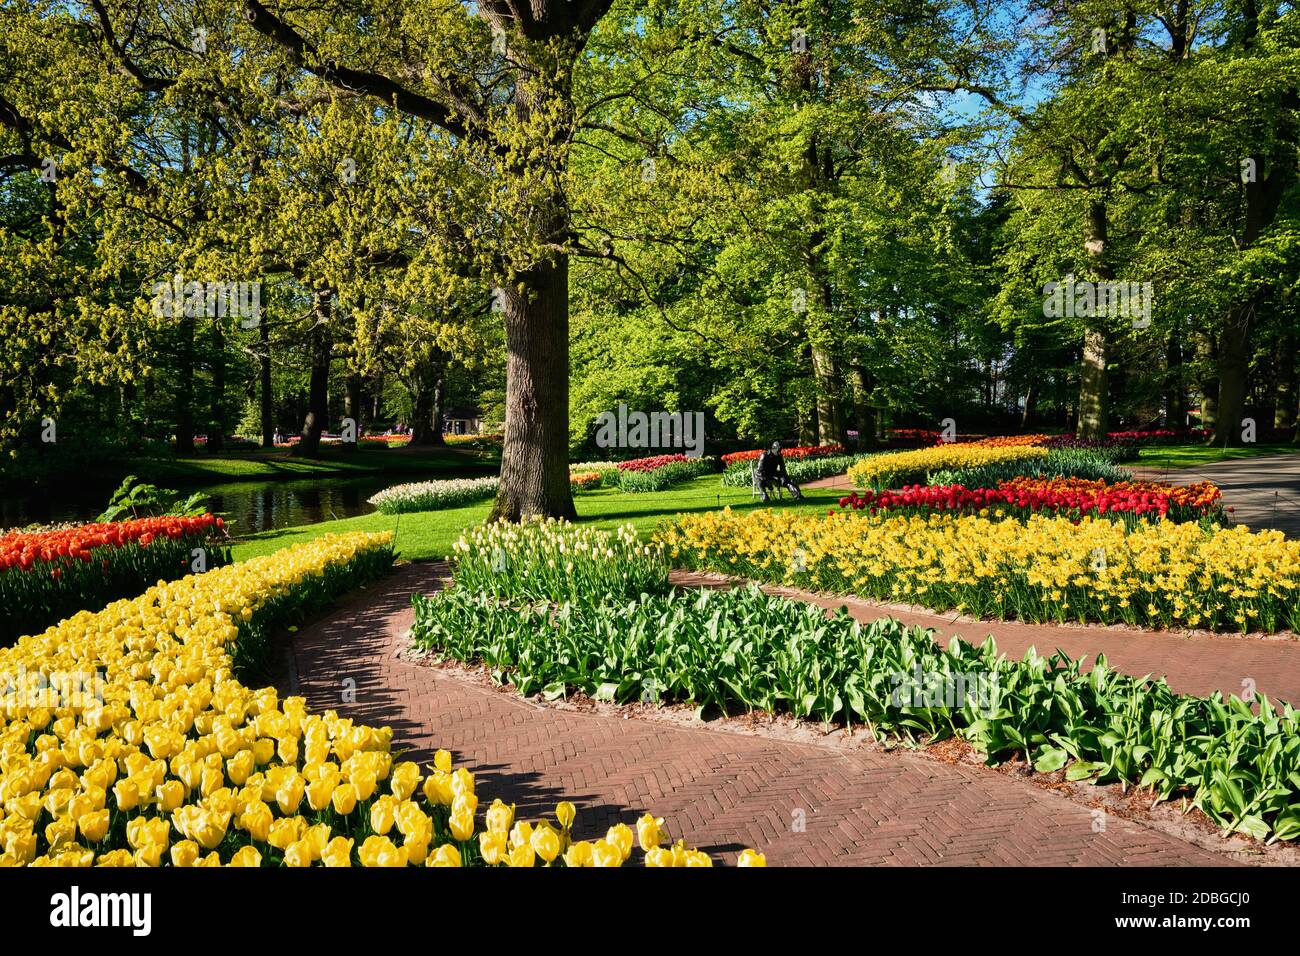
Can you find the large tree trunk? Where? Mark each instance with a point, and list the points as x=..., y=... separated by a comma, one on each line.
x=265, y=398
x=185, y=389
x=864, y=418
x=1284, y=415
x=1031, y=399
x=1175, y=393
x=1094, y=389
x=1094, y=377
x=217, y=430
x=426, y=429
x=535, y=450
x=353, y=406
x=1234, y=370
x=314, y=422
x=830, y=423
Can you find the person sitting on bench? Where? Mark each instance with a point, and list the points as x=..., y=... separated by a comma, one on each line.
x=772, y=473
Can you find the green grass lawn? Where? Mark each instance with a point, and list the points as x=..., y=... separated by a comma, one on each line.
x=1191, y=456
x=429, y=535
x=262, y=465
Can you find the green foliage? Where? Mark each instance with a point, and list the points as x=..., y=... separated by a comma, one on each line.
x=742, y=648
x=1059, y=463
x=136, y=499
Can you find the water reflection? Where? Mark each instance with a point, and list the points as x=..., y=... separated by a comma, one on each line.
x=248, y=506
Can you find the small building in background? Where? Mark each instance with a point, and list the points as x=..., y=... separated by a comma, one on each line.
x=462, y=420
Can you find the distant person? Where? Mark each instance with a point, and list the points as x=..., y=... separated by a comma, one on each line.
x=772, y=473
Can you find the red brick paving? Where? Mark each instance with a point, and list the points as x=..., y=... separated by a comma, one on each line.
x=720, y=790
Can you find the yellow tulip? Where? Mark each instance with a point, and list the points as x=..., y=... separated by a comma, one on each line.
x=298, y=854
x=338, y=852
x=492, y=846
x=578, y=854
x=344, y=799
x=523, y=856
x=246, y=856
x=378, y=851
x=442, y=761
x=546, y=842
x=565, y=812
x=461, y=825
x=648, y=831
x=751, y=858
x=659, y=857
x=382, y=814
x=404, y=779
x=620, y=835
x=445, y=855
x=185, y=853
x=93, y=825
x=604, y=853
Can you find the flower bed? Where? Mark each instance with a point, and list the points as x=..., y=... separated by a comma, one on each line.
x=743, y=648
x=585, y=480
x=905, y=467
x=1056, y=463
x=434, y=495
x=660, y=472
x=174, y=761
x=1160, y=574
x=45, y=576
x=1022, y=497
x=549, y=560
x=791, y=454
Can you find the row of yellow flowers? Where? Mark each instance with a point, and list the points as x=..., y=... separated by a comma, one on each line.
x=1047, y=569
x=896, y=468
x=126, y=740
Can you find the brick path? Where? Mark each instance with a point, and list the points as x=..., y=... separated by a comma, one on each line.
x=1264, y=492
x=720, y=790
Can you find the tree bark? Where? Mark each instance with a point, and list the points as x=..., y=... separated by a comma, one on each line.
x=863, y=414
x=1094, y=378
x=1031, y=399
x=265, y=398
x=426, y=429
x=535, y=449
x=317, y=416
x=217, y=430
x=1284, y=416
x=185, y=389
x=1175, y=393
x=1234, y=370
x=830, y=423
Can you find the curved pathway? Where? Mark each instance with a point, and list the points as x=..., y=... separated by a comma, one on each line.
x=1263, y=492
x=798, y=802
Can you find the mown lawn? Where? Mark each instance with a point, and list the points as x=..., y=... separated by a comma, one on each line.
x=1191, y=456
x=264, y=465
x=429, y=535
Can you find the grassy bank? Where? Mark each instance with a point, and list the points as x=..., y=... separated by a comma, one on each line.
x=429, y=535
x=270, y=465
x=1192, y=456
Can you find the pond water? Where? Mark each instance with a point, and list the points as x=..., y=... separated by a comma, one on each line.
x=248, y=506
